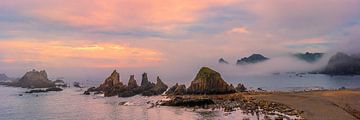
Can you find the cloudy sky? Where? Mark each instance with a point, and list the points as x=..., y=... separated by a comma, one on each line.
x=89, y=38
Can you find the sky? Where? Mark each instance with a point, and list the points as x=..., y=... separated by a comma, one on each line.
x=87, y=39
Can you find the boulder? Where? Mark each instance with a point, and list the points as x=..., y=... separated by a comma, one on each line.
x=158, y=89
x=342, y=64
x=34, y=79
x=208, y=81
x=77, y=85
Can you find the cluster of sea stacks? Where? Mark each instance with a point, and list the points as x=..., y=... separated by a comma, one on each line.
x=32, y=79
x=36, y=79
x=112, y=87
x=207, y=81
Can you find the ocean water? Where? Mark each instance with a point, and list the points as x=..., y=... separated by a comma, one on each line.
x=70, y=104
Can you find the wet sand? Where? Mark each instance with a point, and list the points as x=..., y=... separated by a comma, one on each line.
x=319, y=105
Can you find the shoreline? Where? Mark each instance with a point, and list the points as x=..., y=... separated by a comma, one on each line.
x=313, y=104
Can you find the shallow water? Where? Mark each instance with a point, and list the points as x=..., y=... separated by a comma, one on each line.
x=70, y=104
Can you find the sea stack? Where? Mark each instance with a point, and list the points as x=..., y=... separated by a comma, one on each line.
x=34, y=79
x=112, y=85
x=254, y=58
x=158, y=89
x=132, y=83
x=343, y=64
x=145, y=84
x=208, y=81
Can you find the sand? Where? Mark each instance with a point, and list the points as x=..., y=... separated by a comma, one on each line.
x=320, y=105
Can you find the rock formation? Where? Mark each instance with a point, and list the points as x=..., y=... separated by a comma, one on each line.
x=309, y=57
x=240, y=88
x=176, y=90
x=132, y=83
x=145, y=84
x=343, y=64
x=132, y=88
x=223, y=61
x=34, y=79
x=112, y=85
x=254, y=58
x=208, y=81
x=158, y=89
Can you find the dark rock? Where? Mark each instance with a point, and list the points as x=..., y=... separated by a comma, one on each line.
x=54, y=89
x=208, y=81
x=309, y=57
x=158, y=89
x=33, y=79
x=77, y=84
x=86, y=93
x=254, y=58
x=145, y=84
x=122, y=103
x=60, y=83
x=342, y=64
x=127, y=93
x=132, y=83
x=223, y=61
x=46, y=90
x=240, y=88
x=179, y=101
x=177, y=90
x=112, y=85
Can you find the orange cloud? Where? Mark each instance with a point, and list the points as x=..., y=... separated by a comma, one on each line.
x=78, y=54
x=240, y=30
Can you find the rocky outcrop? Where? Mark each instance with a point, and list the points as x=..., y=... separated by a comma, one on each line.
x=158, y=89
x=112, y=85
x=240, y=88
x=208, y=81
x=188, y=102
x=309, y=57
x=132, y=88
x=46, y=90
x=145, y=84
x=176, y=90
x=60, y=83
x=132, y=83
x=33, y=79
x=343, y=64
x=223, y=61
x=254, y=58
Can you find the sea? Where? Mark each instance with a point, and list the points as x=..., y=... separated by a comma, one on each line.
x=70, y=104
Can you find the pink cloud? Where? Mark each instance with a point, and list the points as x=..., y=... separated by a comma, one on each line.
x=117, y=14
